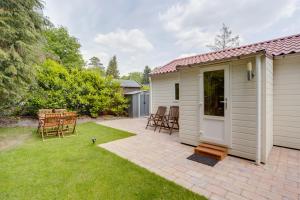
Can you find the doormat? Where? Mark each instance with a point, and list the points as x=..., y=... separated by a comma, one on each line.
x=203, y=159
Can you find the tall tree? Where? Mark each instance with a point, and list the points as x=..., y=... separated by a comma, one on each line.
x=63, y=47
x=21, y=24
x=224, y=40
x=112, y=68
x=95, y=62
x=146, y=75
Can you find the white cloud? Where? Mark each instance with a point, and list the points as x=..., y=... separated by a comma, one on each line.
x=88, y=53
x=184, y=55
x=179, y=28
x=194, y=23
x=133, y=40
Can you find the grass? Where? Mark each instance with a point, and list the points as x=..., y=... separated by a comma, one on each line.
x=74, y=168
x=14, y=132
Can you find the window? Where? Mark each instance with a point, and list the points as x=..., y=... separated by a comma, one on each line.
x=176, y=91
x=214, y=93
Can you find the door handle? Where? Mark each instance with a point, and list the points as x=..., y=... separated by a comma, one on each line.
x=224, y=102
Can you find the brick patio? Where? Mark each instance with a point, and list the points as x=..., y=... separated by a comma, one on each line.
x=233, y=178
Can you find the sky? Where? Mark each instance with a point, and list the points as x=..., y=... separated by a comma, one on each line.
x=154, y=32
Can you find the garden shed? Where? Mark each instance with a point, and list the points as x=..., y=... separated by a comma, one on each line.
x=245, y=99
x=138, y=103
x=129, y=85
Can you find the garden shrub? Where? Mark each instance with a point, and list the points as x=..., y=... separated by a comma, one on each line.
x=82, y=90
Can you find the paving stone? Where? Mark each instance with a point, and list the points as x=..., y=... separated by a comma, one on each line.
x=216, y=197
x=252, y=195
x=216, y=189
x=201, y=191
x=232, y=178
x=233, y=196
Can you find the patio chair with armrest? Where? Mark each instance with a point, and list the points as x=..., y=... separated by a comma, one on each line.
x=68, y=123
x=169, y=121
x=41, y=116
x=50, y=125
x=156, y=118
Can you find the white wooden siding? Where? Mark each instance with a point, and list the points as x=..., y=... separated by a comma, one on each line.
x=287, y=102
x=243, y=100
x=243, y=103
x=163, y=90
x=189, y=106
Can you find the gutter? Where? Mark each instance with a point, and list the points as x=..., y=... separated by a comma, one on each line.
x=258, y=108
x=224, y=60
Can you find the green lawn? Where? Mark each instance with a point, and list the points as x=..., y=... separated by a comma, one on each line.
x=73, y=168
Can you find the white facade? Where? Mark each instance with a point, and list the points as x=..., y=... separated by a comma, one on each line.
x=283, y=90
x=287, y=101
x=162, y=90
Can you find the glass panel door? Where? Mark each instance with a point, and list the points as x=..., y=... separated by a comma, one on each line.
x=214, y=93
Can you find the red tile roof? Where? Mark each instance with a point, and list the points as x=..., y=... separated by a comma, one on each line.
x=276, y=47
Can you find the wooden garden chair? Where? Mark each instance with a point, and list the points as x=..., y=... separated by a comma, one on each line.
x=156, y=118
x=41, y=116
x=171, y=120
x=51, y=125
x=69, y=120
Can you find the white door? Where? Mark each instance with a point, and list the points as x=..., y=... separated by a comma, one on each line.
x=214, y=105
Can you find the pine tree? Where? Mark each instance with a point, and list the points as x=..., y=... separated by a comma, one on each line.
x=21, y=24
x=112, y=69
x=146, y=75
x=224, y=40
x=95, y=62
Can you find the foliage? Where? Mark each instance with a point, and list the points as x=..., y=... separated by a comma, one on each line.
x=20, y=49
x=95, y=62
x=224, y=40
x=63, y=47
x=146, y=87
x=96, y=65
x=142, y=78
x=73, y=168
x=136, y=76
x=146, y=75
x=112, y=69
x=26, y=39
x=97, y=70
x=76, y=89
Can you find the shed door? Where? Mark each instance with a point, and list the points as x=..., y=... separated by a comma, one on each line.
x=144, y=104
x=214, y=113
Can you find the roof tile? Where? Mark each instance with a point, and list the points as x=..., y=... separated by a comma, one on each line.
x=280, y=46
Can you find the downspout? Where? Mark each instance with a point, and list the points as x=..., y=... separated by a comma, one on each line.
x=150, y=104
x=139, y=105
x=258, y=109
